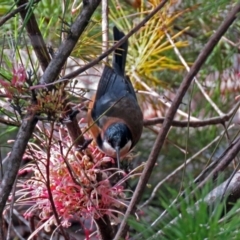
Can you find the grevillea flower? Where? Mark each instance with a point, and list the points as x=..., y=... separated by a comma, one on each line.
x=15, y=86
x=19, y=76
x=78, y=185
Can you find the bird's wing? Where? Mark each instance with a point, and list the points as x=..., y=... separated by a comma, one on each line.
x=113, y=85
x=111, y=88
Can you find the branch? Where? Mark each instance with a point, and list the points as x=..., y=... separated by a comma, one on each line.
x=120, y=42
x=9, y=122
x=171, y=113
x=229, y=188
x=74, y=130
x=229, y=154
x=34, y=35
x=162, y=99
x=14, y=160
x=222, y=162
x=14, y=12
x=105, y=229
x=77, y=28
x=195, y=123
x=159, y=120
x=181, y=167
x=215, y=107
x=29, y=122
x=105, y=27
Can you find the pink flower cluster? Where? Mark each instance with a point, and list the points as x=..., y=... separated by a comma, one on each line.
x=77, y=183
x=17, y=82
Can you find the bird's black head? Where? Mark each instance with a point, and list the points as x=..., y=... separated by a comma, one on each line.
x=118, y=135
x=117, y=140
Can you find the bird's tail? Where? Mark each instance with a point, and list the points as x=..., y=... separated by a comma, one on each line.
x=120, y=54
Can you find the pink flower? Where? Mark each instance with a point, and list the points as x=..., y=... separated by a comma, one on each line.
x=19, y=76
x=78, y=184
x=15, y=86
x=7, y=88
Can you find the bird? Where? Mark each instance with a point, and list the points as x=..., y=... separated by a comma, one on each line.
x=115, y=118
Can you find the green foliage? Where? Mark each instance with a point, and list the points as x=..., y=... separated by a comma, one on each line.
x=5, y=7
x=191, y=219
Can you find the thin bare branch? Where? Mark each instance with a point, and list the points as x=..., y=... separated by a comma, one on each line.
x=14, y=12
x=215, y=107
x=35, y=35
x=182, y=166
x=119, y=43
x=160, y=98
x=195, y=123
x=171, y=113
x=105, y=32
x=10, y=219
x=105, y=229
x=229, y=154
x=221, y=163
x=14, y=160
x=48, y=183
x=77, y=28
x=11, y=227
x=74, y=130
x=9, y=122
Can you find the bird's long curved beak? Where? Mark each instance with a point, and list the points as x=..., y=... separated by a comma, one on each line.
x=118, y=156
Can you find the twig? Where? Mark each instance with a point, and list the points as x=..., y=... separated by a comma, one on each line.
x=74, y=131
x=105, y=229
x=180, y=168
x=13, y=228
x=14, y=12
x=35, y=36
x=11, y=210
x=171, y=113
x=9, y=122
x=14, y=159
x=202, y=175
x=117, y=44
x=227, y=156
x=153, y=121
x=236, y=45
x=48, y=182
x=21, y=218
x=230, y=153
x=179, y=29
x=105, y=32
x=1, y=165
x=155, y=94
x=215, y=107
x=1, y=56
x=195, y=123
x=210, y=166
x=229, y=180
x=77, y=28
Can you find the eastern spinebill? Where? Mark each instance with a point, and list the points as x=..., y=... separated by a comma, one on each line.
x=114, y=113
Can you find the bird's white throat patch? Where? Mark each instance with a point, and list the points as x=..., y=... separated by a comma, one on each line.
x=110, y=151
